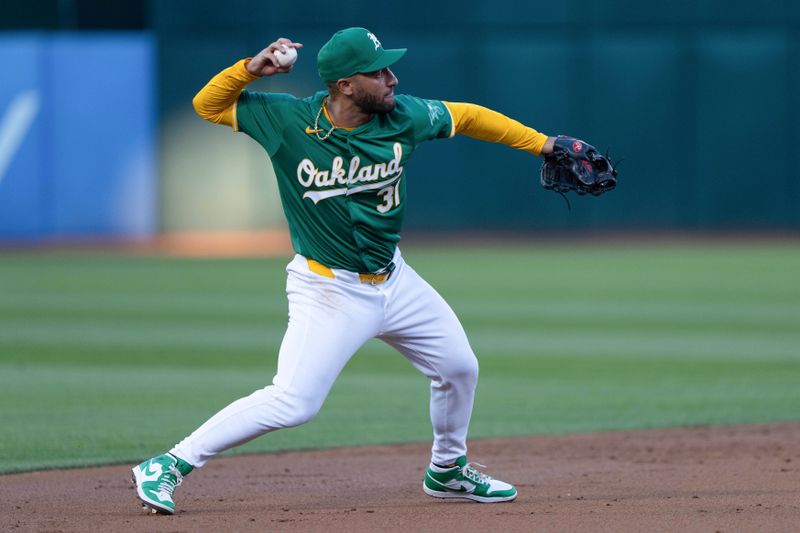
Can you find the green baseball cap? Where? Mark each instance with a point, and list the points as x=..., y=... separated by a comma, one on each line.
x=353, y=51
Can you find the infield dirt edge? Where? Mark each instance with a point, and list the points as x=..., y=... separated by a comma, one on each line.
x=726, y=478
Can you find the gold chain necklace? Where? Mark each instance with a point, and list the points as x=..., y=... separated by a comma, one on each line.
x=317, y=129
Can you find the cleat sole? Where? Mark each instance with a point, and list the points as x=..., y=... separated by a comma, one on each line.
x=466, y=496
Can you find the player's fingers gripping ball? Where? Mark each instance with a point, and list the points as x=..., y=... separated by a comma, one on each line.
x=286, y=55
x=577, y=166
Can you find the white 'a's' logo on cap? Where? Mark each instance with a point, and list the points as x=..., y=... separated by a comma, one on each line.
x=374, y=39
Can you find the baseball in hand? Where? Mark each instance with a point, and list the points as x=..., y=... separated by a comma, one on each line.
x=287, y=57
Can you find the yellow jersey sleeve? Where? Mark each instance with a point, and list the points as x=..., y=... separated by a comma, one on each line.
x=216, y=102
x=487, y=125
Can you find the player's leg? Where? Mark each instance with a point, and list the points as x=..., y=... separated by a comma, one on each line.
x=319, y=341
x=328, y=322
x=423, y=327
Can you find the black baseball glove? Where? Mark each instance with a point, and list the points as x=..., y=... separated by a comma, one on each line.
x=577, y=166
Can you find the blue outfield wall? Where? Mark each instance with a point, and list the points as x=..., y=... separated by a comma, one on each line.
x=77, y=136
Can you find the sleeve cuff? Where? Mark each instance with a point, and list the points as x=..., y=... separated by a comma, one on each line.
x=241, y=71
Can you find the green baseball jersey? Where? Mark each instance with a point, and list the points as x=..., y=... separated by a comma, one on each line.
x=344, y=197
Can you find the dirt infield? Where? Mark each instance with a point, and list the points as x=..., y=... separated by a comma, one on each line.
x=738, y=478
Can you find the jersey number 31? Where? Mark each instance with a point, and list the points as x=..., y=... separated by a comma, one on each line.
x=391, y=197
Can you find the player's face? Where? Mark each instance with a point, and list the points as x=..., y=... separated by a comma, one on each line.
x=373, y=92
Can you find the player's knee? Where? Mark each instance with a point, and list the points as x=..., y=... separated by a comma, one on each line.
x=300, y=410
x=300, y=417
x=463, y=370
x=285, y=408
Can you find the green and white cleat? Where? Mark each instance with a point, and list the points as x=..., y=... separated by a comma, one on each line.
x=157, y=479
x=465, y=481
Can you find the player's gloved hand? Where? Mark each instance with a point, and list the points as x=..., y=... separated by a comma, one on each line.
x=266, y=64
x=576, y=165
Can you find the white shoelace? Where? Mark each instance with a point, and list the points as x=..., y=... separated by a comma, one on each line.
x=166, y=483
x=473, y=474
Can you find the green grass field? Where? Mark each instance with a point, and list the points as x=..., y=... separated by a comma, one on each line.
x=113, y=358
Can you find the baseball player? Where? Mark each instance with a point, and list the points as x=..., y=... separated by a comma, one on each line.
x=340, y=159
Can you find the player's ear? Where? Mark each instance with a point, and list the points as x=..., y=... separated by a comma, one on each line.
x=345, y=86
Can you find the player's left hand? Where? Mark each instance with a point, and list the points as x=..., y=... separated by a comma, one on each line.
x=266, y=64
x=575, y=165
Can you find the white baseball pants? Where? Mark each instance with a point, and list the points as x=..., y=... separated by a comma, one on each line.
x=329, y=320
